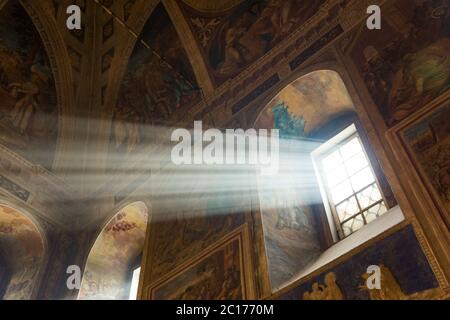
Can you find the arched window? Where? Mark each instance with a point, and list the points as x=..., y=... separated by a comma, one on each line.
x=305, y=208
x=21, y=255
x=112, y=266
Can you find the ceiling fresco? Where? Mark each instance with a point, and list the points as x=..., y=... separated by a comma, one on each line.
x=306, y=104
x=116, y=248
x=22, y=244
x=406, y=64
x=230, y=40
x=28, y=108
x=152, y=90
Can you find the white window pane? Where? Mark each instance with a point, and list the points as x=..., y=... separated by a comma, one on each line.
x=362, y=179
x=382, y=209
x=341, y=191
x=331, y=161
x=375, y=211
x=369, y=196
x=356, y=163
x=134, y=284
x=347, y=209
x=351, y=148
x=347, y=230
x=336, y=175
x=353, y=225
x=370, y=216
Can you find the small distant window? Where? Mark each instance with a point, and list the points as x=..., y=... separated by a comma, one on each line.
x=349, y=183
x=134, y=284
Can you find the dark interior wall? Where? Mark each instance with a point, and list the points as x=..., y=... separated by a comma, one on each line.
x=4, y=276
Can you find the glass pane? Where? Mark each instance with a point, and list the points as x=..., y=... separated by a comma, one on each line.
x=369, y=196
x=346, y=230
x=362, y=179
x=356, y=163
x=374, y=212
x=134, y=284
x=351, y=148
x=336, y=175
x=347, y=209
x=331, y=161
x=353, y=225
x=341, y=191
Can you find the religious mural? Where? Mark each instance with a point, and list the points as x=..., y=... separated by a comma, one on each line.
x=231, y=40
x=290, y=232
x=405, y=274
x=407, y=63
x=187, y=232
x=23, y=248
x=218, y=276
x=290, y=229
x=107, y=272
x=429, y=141
x=28, y=109
x=159, y=81
x=306, y=104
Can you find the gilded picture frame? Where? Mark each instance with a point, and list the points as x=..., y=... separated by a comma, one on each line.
x=424, y=136
x=201, y=276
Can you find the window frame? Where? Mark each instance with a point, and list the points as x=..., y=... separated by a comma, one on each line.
x=331, y=145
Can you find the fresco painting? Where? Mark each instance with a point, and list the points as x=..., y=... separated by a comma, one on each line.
x=407, y=63
x=429, y=141
x=28, y=107
x=233, y=39
x=306, y=104
x=120, y=243
x=405, y=274
x=290, y=229
x=22, y=244
x=151, y=89
x=218, y=276
x=290, y=234
x=194, y=231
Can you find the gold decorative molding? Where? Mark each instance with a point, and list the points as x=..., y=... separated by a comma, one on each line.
x=212, y=5
x=355, y=12
x=190, y=45
x=443, y=283
x=62, y=72
x=422, y=205
x=246, y=266
x=296, y=43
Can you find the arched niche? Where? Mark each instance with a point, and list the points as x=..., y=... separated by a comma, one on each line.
x=22, y=255
x=115, y=255
x=29, y=114
x=289, y=200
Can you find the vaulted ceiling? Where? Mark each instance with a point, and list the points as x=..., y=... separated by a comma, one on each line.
x=136, y=64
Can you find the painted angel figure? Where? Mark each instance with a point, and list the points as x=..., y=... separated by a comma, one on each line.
x=27, y=94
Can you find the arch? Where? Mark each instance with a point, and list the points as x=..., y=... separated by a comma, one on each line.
x=212, y=6
x=49, y=71
x=24, y=250
x=316, y=97
x=291, y=230
x=120, y=63
x=254, y=113
x=115, y=253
